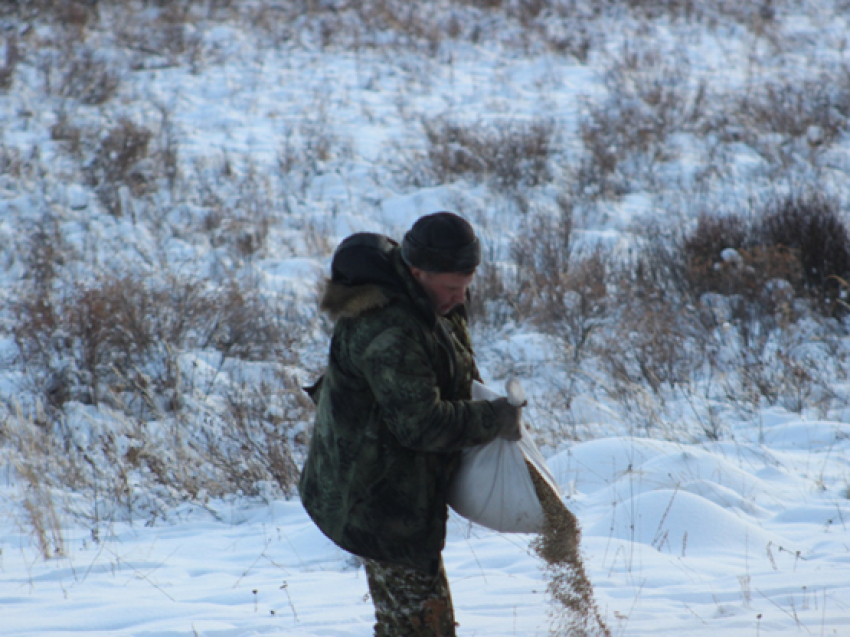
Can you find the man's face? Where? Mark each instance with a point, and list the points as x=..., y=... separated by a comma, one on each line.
x=445, y=289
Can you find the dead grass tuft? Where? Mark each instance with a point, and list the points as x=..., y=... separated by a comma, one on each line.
x=811, y=226
x=115, y=340
x=10, y=63
x=88, y=77
x=650, y=98
x=510, y=155
x=118, y=163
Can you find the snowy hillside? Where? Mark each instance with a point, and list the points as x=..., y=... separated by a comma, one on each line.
x=661, y=189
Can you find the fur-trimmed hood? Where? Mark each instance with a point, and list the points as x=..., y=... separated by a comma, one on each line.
x=346, y=301
x=368, y=272
x=364, y=276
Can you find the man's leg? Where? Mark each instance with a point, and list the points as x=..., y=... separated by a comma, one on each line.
x=410, y=603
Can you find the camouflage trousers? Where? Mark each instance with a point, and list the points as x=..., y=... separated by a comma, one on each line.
x=410, y=603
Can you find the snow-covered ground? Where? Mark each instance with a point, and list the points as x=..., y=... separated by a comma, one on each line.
x=682, y=534
x=735, y=538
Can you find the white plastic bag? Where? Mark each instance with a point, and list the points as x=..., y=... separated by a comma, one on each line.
x=493, y=487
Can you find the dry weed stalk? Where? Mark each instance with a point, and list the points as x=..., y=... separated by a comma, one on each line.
x=574, y=612
x=42, y=514
x=37, y=500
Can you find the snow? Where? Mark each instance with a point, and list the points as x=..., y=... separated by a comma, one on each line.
x=686, y=541
x=682, y=535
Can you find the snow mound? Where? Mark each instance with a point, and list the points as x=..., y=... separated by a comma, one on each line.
x=681, y=523
x=594, y=465
x=808, y=435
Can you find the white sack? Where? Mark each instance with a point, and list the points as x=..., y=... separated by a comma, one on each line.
x=493, y=487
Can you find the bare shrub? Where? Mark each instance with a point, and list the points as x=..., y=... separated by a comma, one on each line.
x=489, y=301
x=810, y=225
x=241, y=209
x=799, y=239
x=728, y=300
x=166, y=34
x=118, y=161
x=542, y=253
x=121, y=342
x=747, y=274
x=65, y=131
x=660, y=339
x=758, y=17
x=44, y=253
x=568, y=32
x=118, y=337
x=713, y=234
x=781, y=366
x=37, y=499
x=562, y=292
x=142, y=467
x=69, y=14
x=652, y=346
x=10, y=63
x=814, y=109
x=648, y=100
x=88, y=78
x=259, y=448
x=510, y=154
x=310, y=145
x=424, y=27
x=558, y=289
x=11, y=162
x=168, y=152
x=412, y=21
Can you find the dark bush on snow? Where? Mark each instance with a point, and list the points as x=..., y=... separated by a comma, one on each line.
x=510, y=154
x=725, y=256
x=809, y=224
x=798, y=238
x=121, y=334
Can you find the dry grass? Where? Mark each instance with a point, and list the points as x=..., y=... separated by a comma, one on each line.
x=508, y=154
x=650, y=98
x=118, y=162
x=812, y=226
x=119, y=334
x=814, y=110
x=87, y=77
x=10, y=63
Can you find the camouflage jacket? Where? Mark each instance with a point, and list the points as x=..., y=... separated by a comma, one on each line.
x=394, y=414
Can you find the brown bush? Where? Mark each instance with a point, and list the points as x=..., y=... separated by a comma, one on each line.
x=810, y=225
x=11, y=162
x=10, y=63
x=98, y=339
x=713, y=234
x=542, y=253
x=118, y=162
x=510, y=154
x=489, y=299
x=816, y=109
x=649, y=99
x=88, y=78
x=165, y=35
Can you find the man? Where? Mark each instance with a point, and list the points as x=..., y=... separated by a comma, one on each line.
x=395, y=413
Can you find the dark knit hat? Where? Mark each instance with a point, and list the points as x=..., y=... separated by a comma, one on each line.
x=441, y=242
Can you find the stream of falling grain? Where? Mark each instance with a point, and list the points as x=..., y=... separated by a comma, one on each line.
x=574, y=611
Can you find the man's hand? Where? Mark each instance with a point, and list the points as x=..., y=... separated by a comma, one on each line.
x=508, y=418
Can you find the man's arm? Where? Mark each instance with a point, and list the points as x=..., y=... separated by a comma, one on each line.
x=401, y=377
